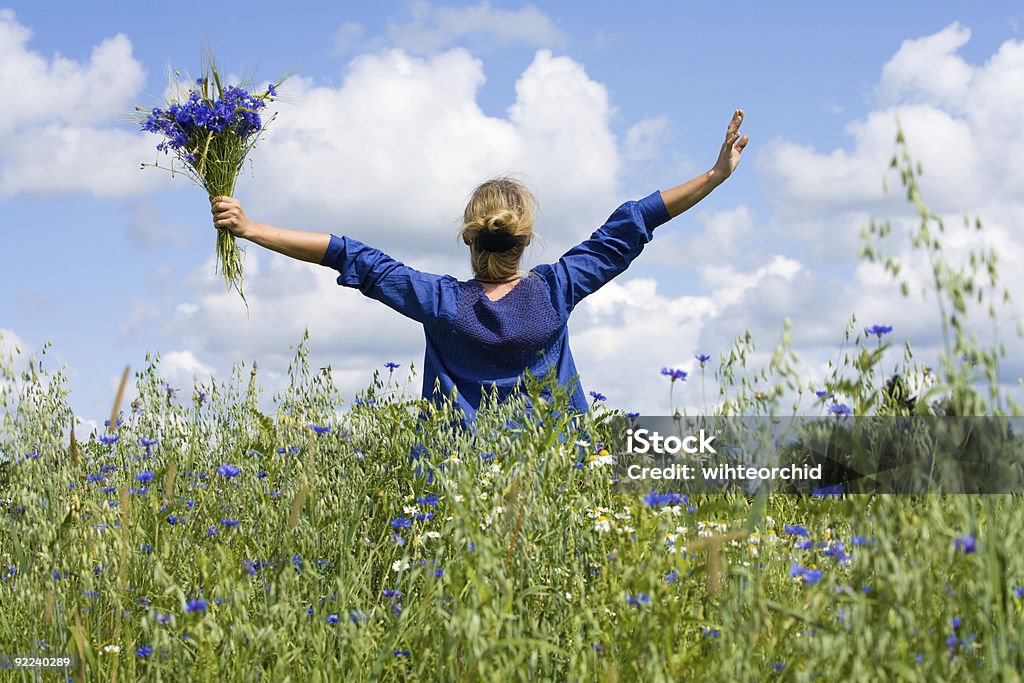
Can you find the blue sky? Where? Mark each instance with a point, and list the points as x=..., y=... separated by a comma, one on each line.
x=395, y=110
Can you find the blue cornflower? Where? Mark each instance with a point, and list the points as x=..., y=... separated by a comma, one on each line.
x=632, y=416
x=671, y=577
x=144, y=651
x=805, y=545
x=332, y=618
x=809, y=576
x=401, y=523
x=638, y=600
x=964, y=543
x=675, y=374
x=428, y=500
x=230, y=523
x=228, y=471
x=392, y=366
x=840, y=409
x=389, y=593
x=656, y=500
x=271, y=90
x=779, y=666
x=172, y=519
x=439, y=572
x=824, y=394
x=401, y=653
x=702, y=358
x=107, y=440
x=838, y=551
x=597, y=396
x=796, y=529
x=1018, y=592
x=196, y=605
x=145, y=476
x=318, y=429
x=878, y=330
x=955, y=623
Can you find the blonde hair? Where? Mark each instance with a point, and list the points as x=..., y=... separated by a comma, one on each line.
x=503, y=206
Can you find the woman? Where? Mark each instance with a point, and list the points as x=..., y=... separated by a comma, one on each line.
x=487, y=333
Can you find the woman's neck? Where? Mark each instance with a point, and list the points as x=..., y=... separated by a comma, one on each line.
x=496, y=290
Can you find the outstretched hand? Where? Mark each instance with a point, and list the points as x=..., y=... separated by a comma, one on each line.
x=729, y=156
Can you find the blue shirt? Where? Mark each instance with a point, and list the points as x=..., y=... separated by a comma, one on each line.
x=475, y=344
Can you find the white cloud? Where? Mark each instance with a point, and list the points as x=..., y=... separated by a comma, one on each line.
x=63, y=90
x=59, y=158
x=928, y=69
x=182, y=366
x=645, y=139
x=431, y=28
x=58, y=134
x=726, y=234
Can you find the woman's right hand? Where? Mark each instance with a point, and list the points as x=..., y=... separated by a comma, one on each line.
x=228, y=215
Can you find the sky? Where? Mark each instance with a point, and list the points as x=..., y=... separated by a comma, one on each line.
x=394, y=111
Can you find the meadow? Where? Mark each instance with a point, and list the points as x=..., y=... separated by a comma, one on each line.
x=199, y=537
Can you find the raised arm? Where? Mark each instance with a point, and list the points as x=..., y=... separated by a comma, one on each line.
x=682, y=197
x=588, y=266
x=305, y=246
x=415, y=294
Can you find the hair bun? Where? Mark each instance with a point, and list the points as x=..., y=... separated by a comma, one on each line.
x=503, y=221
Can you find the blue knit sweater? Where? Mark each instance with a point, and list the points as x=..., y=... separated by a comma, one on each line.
x=474, y=343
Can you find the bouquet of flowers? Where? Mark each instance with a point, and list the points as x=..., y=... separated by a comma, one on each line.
x=209, y=133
